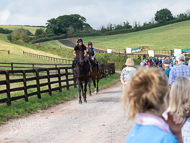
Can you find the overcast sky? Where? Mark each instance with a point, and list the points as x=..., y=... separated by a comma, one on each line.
x=97, y=13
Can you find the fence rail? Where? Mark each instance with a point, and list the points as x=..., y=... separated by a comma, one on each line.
x=13, y=66
x=62, y=78
x=67, y=61
x=5, y=51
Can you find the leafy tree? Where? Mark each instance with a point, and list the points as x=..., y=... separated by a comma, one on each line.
x=163, y=15
x=39, y=32
x=181, y=15
x=61, y=24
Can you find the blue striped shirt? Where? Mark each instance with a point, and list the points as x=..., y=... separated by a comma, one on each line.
x=178, y=71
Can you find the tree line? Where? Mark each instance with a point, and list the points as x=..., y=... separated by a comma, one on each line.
x=76, y=25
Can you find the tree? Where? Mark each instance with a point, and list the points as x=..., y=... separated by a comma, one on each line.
x=163, y=15
x=19, y=35
x=39, y=32
x=61, y=24
x=181, y=15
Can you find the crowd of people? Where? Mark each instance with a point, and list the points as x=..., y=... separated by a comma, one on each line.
x=159, y=99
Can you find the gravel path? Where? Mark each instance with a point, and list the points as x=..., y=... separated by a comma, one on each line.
x=101, y=120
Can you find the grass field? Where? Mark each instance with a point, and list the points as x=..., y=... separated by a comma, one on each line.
x=18, y=50
x=54, y=44
x=166, y=37
x=12, y=27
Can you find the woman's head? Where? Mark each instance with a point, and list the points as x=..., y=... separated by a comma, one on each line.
x=179, y=97
x=146, y=92
x=129, y=62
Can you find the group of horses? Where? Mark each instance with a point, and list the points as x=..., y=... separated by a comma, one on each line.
x=84, y=75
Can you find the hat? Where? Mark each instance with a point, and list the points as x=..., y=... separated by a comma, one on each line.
x=89, y=43
x=79, y=40
x=166, y=62
x=129, y=62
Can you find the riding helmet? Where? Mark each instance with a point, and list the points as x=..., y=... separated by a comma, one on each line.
x=79, y=40
x=89, y=43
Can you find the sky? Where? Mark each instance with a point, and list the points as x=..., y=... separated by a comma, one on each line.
x=96, y=12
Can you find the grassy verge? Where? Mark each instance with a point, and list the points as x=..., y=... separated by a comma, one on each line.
x=54, y=44
x=20, y=108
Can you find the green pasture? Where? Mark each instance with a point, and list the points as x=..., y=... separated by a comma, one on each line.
x=12, y=27
x=166, y=37
x=54, y=44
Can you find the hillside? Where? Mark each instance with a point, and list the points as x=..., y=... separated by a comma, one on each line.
x=166, y=37
x=12, y=27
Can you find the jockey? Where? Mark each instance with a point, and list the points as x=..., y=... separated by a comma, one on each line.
x=92, y=53
x=79, y=46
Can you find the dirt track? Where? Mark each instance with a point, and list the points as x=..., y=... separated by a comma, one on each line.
x=101, y=120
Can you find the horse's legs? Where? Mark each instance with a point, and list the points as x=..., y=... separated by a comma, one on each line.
x=79, y=89
x=84, y=94
x=89, y=87
x=94, y=81
x=97, y=83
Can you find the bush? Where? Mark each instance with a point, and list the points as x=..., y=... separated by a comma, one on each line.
x=43, y=39
x=19, y=35
x=5, y=31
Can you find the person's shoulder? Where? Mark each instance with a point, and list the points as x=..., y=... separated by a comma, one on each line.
x=76, y=46
x=83, y=46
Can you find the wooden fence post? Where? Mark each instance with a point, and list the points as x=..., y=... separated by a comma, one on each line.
x=23, y=52
x=11, y=66
x=49, y=84
x=67, y=82
x=8, y=52
x=38, y=84
x=59, y=78
x=8, y=88
x=25, y=89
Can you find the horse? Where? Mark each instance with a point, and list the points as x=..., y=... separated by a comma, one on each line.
x=94, y=75
x=82, y=75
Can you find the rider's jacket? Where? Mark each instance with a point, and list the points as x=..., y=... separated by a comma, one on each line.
x=91, y=52
x=77, y=48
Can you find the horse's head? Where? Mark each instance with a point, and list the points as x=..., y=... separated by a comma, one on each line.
x=80, y=57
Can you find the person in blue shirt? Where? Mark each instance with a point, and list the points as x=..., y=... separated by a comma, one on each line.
x=165, y=65
x=146, y=95
x=181, y=69
x=160, y=62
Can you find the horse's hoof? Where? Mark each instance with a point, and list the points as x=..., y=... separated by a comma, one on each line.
x=95, y=92
x=85, y=101
x=80, y=102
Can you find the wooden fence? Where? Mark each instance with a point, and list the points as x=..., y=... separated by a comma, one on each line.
x=66, y=61
x=62, y=78
x=13, y=66
x=5, y=51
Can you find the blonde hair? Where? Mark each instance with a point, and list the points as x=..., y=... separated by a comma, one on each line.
x=129, y=62
x=179, y=97
x=146, y=91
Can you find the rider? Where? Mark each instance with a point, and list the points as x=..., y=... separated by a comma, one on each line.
x=92, y=53
x=79, y=46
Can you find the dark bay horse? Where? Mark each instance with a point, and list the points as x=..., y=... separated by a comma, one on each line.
x=94, y=75
x=82, y=75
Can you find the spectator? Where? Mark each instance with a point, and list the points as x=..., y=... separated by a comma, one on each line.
x=160, y=62
x=127, y=72
x=173, y=62
x=189, y=63
x=124, y=51
x=180, y=104
x=142, y=63
x=168, y=57
x=151, y=62
x=166, y=68
x=181, y=69
x=147, y=63
x=146, y=94
x=144, y=56
x=156, y=61
x=60, y=47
